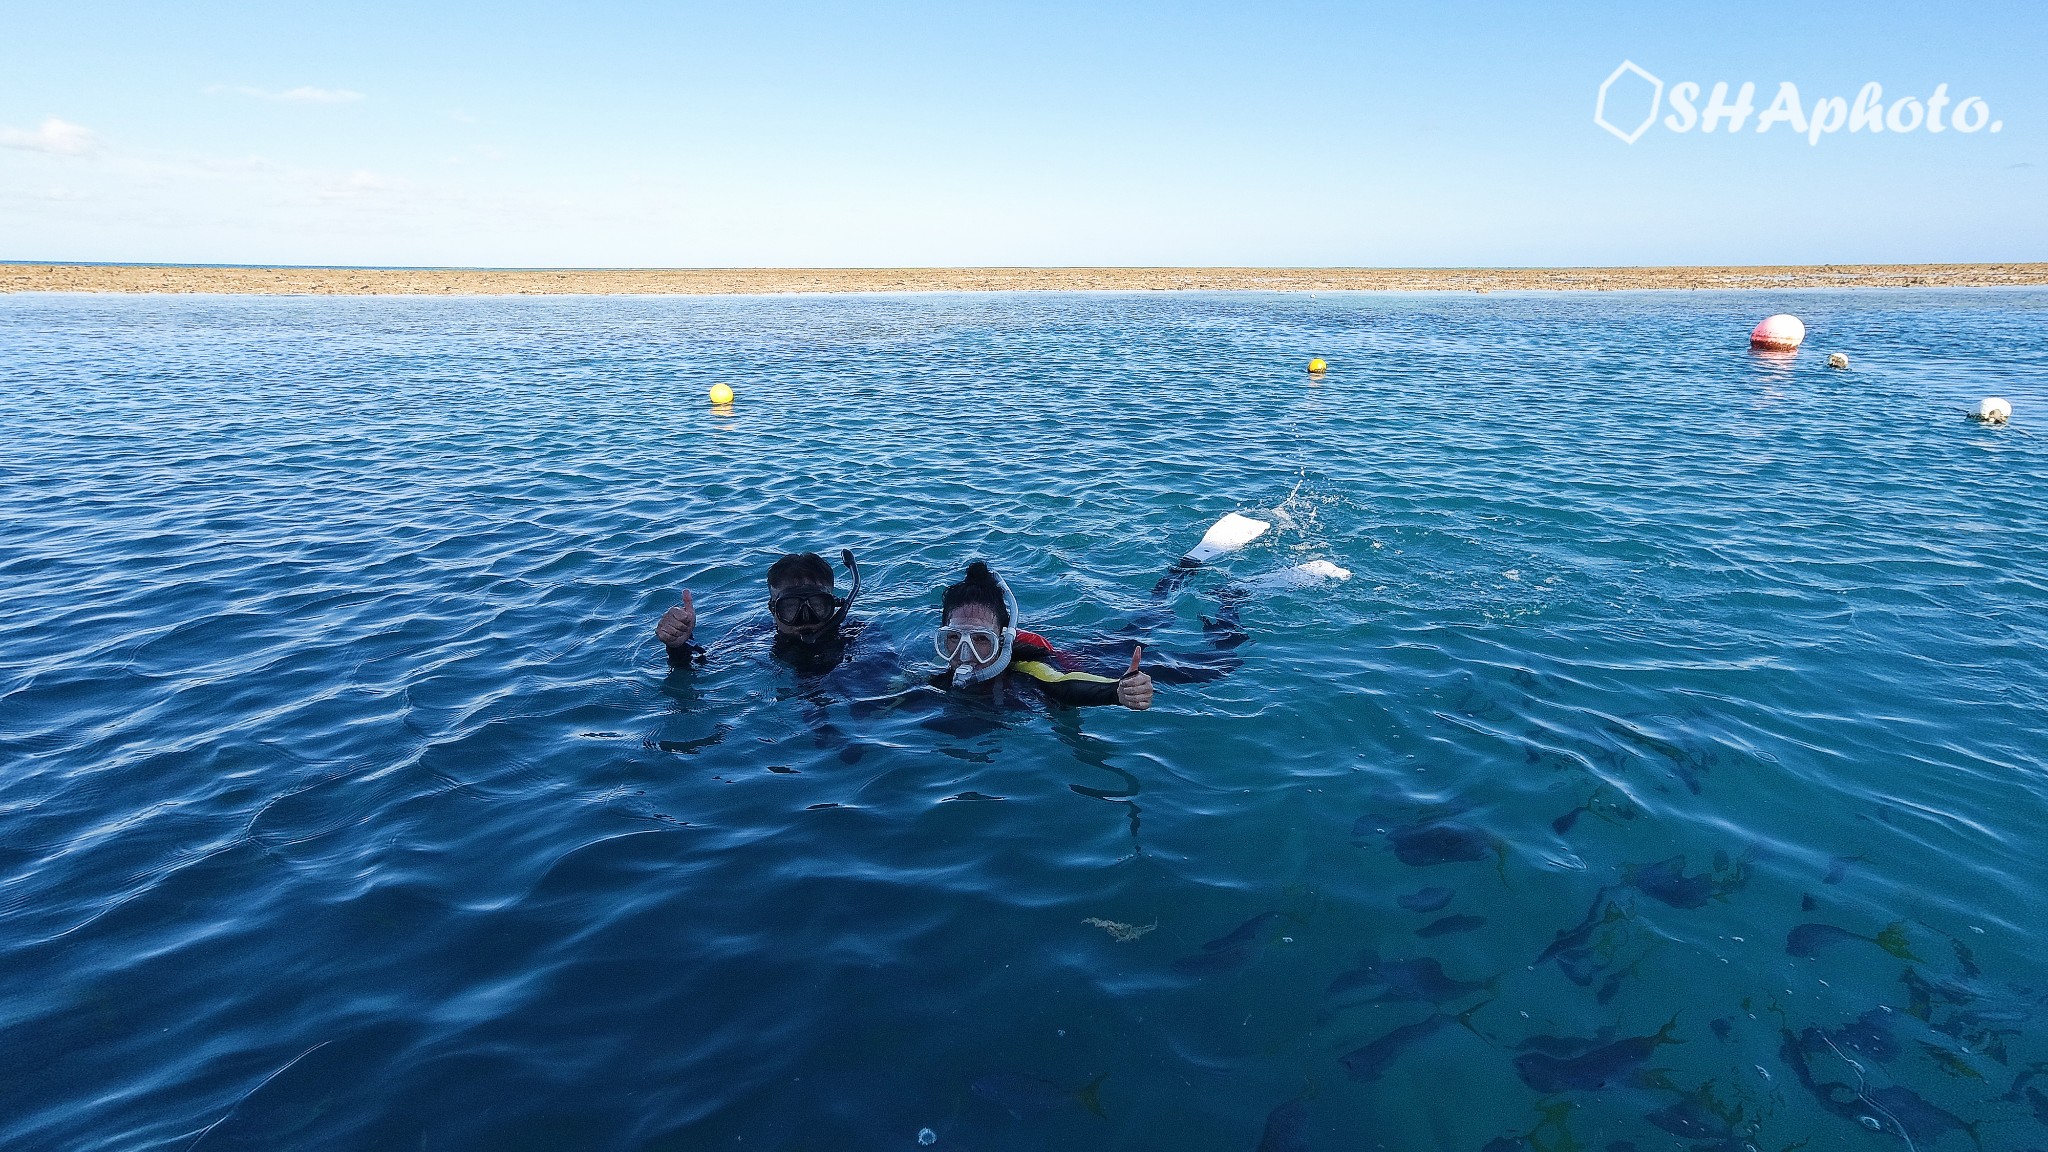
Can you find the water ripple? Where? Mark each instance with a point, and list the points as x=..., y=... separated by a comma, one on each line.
x=349, y=804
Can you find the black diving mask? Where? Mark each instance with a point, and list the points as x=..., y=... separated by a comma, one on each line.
x=814, y=609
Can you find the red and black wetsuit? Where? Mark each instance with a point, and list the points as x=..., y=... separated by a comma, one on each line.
x=1034, y=660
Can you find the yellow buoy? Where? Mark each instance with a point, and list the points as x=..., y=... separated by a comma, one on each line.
x=1318, y=366
x=720, y=394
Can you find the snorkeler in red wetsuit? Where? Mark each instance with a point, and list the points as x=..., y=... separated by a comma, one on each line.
x=984, y=648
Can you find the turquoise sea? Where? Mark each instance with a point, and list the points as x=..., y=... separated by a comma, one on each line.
x=1670, y=773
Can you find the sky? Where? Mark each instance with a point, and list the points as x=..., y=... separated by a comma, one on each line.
x=774, y=133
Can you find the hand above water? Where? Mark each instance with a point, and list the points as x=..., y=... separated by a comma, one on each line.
x=1134, y=690
x=676, y=624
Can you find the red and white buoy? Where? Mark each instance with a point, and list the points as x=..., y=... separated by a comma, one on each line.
x=1780, y=333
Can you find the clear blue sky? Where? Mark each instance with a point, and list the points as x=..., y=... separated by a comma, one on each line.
x=882, y=133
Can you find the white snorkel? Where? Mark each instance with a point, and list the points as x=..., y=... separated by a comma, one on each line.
x=966, y=674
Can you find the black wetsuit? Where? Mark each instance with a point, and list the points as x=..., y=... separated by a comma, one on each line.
x=808, y=657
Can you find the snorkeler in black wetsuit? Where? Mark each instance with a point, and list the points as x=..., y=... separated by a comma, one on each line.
x=811, y=631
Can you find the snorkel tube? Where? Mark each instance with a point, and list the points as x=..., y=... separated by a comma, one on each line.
x=853, y=593
x=963, y=674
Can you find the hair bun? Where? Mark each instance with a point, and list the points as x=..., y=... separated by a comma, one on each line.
x=978, y=573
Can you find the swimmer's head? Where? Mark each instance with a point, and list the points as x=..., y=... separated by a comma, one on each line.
x=976, y=625
x=801, y=597
x=979, y=587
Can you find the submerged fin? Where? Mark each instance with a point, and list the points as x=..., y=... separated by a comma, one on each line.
x=1087, y=1095
x=1223, y=537
x=1300, y=576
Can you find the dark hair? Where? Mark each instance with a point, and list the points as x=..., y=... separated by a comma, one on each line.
x=979, y=586
x=801, y=568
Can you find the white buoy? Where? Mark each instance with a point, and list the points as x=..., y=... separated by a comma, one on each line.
x=1992, y=410
x=1837, y=360
x=1780, y=333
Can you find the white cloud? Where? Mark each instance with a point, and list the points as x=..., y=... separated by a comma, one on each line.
x=300, y=95
x=60, y=137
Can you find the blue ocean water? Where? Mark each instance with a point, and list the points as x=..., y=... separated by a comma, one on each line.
x=1668, y=774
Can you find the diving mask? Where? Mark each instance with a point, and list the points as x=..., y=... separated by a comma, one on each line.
x=970, y=645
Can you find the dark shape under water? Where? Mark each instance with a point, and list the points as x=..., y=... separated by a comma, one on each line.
x=1565, y=1047
x=1722, y=1027
x=1924, y=1122
x=1420, y=979
x=1215, y=963
x=1894, y=1108
x=1594, y=1068
x=1439, y=842
x=1450, y=924
x=1580, y=965
x=1023, y=1094
x=1610, y=987
x=1692, y=1119
x=1666, y=882
x=1286, y=1128
x=1922, y=995
x=1806, y=940
x=1426, y=899
x=1372, y=1061
x=1228, y=952
x=1245, y=933
x=1869, y=1035
x=1581, y=934
x=1950, y=1062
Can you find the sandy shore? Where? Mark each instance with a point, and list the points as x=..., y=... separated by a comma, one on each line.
x=722, y=281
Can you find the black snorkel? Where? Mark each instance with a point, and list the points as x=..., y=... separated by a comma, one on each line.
x=853, y=593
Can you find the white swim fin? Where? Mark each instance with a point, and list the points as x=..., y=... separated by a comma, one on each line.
x=1300, y=576
x=1224, y=537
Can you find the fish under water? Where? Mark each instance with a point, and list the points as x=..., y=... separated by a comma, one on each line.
x=1893, y=1108
x=1426, y=899
x=1286, y=1128
x=1593, y=1068
x=1693, y=1119
x=1574, y=949
x=1450, y=924
x=1806, y=940
x=1565, y=1047
x=1869, y=1035
x=1440, y=842
x=1023, y=1094
x=1372, y=1061
x=1243, y=934
x=1419, y=979
x=1228, y=952
x=1666, y=882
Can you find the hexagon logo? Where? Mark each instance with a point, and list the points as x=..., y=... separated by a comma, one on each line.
x=1624, y=99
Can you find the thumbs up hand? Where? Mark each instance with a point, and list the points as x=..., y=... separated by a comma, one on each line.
x=1134, y=689
x=678, y=623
